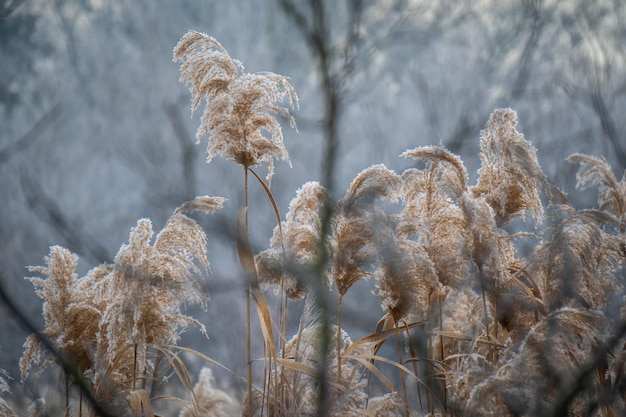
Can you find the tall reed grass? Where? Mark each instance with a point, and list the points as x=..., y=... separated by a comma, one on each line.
x=470, y=324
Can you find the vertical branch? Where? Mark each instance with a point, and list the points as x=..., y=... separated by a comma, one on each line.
x=67, y=395
x=187, y=149
x=316, y=33
x=134, y=383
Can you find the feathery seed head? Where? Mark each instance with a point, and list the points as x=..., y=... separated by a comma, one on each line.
x=70, y=319
x=405, y=278
x=294, y=246
x=241, y=109
x=356, y=222
x=454, y=179
x=208, y=400
x=432, y=217
x=509, y=176
x=598, y=172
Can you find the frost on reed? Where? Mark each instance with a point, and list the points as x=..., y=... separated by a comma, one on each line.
x=482, y=328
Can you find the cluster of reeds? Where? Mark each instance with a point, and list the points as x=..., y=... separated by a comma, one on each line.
x=479, y=324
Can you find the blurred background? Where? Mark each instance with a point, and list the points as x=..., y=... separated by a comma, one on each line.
x=96, y=131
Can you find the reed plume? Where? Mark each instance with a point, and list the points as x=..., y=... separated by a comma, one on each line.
x=406, y=277
x=509, y=177
x=207, y=399
x=611, y=192
x=241, y=108
x=431, y=213
x=579, y=265
x=549, y=360
x=69, y=322
x=149, y=284
x=354, y=225
x=294, y=246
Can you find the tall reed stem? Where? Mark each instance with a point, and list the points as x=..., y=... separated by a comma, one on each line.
x=248, y=324
x=339, y=337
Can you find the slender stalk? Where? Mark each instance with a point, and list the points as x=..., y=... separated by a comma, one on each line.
x=248, y=322
x=414, y=363
x=405, y=397
x=134, y=368
x=441, y=350
x=67, y=395
x=339, y=305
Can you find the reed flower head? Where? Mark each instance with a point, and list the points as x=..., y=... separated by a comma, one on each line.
x=579, y=265
x=509, y=176
x=405, y=276
x=552, y=356
x=207, y=399
x=241, y=108
x=356, y=222
x=296, y=244
x=71, y=320
x=611, y=192
x=431, y=213
x=150, y=282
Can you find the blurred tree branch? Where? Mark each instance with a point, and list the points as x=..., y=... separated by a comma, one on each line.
x=187, y=148
x=8, y=6
x=316, y=33
x=49, y=211
x=49, y=117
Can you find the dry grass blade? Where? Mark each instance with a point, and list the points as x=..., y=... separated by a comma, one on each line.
x=377, y=338
x=204, y=204
x=366, y=362
x=371, y=358
x=453, y=335
x=205, y=357
x=265, y=319
x=270, y=196
x=244, y=250
x=140, y=403
x=177, y=365
x=460, y=336
x=306, y=370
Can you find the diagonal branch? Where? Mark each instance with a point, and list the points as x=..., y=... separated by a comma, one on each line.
x=34, y=133
x=49, y=211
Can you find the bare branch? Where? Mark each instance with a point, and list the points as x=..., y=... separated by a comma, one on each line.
x=34, y=133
